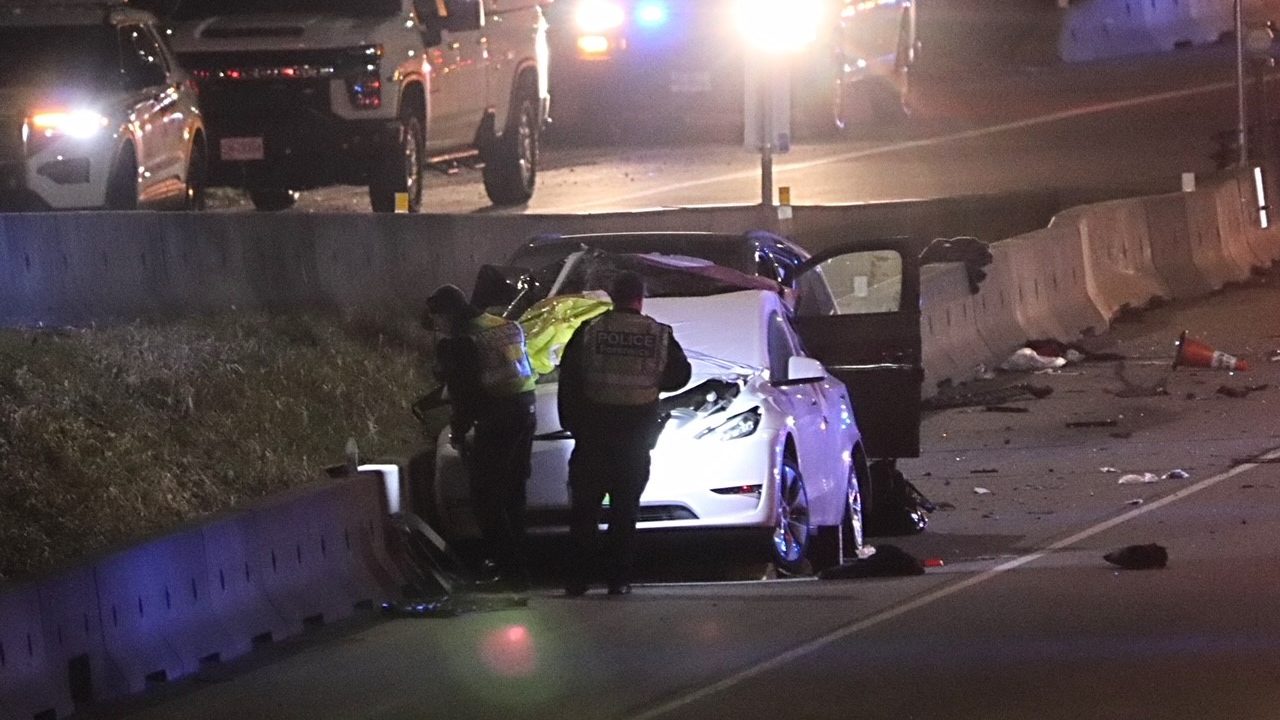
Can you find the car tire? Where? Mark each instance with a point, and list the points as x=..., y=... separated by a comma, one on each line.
x=272, y=199
x=511, y=165
x=122, y=183
x=197, y=177
x=399, y=169
x=790, y=540
x=826, y=550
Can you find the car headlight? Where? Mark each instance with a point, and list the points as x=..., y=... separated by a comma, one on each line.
x=738, y=426
x=597, y=16
x=78, y=124
x=779, y=28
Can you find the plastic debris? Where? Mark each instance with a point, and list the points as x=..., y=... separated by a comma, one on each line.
x=1135, y=501
x=1108, y=470
x=1139, y=557
x=933, y=562
x=1026, y=360
x=981, y=491
x=982, y=372
x=1275, y=356
x=1178, y=474
x=1143, y=479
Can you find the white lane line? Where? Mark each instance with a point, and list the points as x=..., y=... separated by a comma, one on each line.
x=912, y=145
x=939, y=594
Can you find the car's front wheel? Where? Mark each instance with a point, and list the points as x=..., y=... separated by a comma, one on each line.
x=197, y=176
x=791, y=530
x=834, y=545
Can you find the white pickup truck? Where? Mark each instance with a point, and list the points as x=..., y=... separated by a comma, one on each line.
x=300, y=94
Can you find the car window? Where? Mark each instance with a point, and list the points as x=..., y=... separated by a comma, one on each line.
x=780, y=346
x=813, y=295
x=71, y=56
x=201, y=9
x=864, y=283
x=140, y=56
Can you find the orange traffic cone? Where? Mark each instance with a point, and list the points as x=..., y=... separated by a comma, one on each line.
x=1193, y=353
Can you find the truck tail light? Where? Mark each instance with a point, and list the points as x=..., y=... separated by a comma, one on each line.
x=365, y=92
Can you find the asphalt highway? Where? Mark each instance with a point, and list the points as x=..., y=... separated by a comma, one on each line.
x=1093, y=131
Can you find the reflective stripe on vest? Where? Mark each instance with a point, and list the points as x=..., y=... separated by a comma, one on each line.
x=504, y=365
x=624, y=357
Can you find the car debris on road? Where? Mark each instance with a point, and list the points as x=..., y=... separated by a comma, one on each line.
x=1139, y=557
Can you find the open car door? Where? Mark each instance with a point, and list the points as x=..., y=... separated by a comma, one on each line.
x=858, y=311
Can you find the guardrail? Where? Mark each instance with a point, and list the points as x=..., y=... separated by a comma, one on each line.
x=201, y=594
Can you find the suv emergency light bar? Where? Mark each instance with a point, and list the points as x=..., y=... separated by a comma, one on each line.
x=288, y=72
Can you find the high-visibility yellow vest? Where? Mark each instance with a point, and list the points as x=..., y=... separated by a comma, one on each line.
x=504, y=363
x=624, y=355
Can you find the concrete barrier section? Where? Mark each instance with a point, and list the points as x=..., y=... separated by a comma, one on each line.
x=236, y=586
x=303, y=545
x=948, y=324
x=31, y=682
x=1171, y=246
x=1119, y=270
x=158, y=621
x=995, y=305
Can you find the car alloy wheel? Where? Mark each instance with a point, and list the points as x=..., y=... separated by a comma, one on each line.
x=852, y=525
x=791, y=529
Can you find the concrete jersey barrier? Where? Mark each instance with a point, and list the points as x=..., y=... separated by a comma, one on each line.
x=204, y=593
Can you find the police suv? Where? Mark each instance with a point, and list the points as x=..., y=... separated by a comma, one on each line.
x=300, y=94
x=94, y=111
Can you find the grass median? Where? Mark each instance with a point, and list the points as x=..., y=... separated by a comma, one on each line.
x=111, y=434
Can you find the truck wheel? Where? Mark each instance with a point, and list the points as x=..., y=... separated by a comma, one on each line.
x=399, y=170
x=122, y=185
x=272, y=199
x=511, y=166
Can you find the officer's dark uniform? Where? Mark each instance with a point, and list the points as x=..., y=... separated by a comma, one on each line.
x=485, y=367
x=611, y=373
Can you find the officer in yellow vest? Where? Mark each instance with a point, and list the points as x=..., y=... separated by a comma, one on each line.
x=610, y=375
x=484, y=365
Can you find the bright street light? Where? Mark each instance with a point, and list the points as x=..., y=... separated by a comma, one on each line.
x=779, y=28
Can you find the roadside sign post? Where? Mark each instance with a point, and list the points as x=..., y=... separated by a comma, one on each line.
x=767, y=115
x=1242, y=122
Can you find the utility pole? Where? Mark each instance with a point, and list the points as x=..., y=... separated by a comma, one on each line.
x=1242, y=121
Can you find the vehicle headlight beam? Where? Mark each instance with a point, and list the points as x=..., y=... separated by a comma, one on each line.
x=779, y=28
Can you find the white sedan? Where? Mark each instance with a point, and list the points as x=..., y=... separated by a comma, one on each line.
x=763, y=438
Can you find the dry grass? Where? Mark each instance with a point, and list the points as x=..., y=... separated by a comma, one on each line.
x=107, y=435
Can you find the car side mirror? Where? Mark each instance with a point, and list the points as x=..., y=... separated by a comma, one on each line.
x=802, y=371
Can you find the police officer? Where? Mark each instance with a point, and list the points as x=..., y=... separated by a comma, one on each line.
x=484, y=365
x=610, y=375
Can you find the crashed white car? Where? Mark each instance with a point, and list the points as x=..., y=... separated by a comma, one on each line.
x=763, y=438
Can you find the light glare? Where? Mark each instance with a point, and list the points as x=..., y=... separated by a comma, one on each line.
x=597, y=16
x=79, y=124
x=775, y=31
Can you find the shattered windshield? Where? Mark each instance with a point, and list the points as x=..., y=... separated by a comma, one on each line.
x=200, y=9
x=665, y=275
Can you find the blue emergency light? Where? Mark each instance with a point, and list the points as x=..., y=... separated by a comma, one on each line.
x=652, y=13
